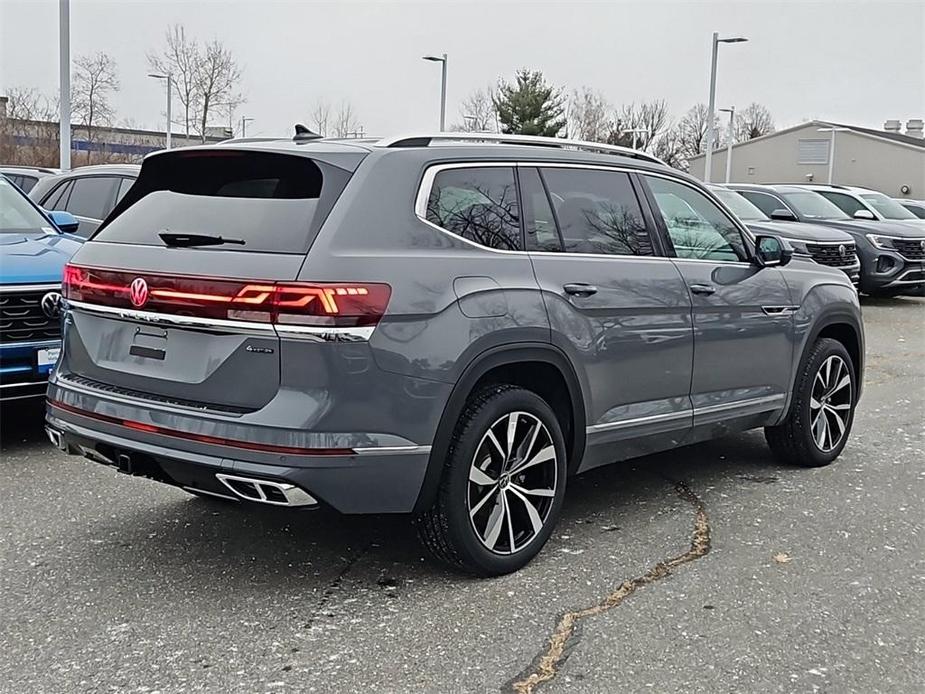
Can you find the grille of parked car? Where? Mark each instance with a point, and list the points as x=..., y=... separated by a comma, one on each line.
x=22, y=318
x=832, y=254
x=913, y=249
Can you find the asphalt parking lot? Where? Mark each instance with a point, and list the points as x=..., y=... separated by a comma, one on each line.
x=709, y=569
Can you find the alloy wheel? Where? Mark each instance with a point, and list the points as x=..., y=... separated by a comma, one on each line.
x=512, y=482
x=830, y=403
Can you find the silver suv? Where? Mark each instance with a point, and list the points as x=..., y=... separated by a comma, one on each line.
x=448, y=326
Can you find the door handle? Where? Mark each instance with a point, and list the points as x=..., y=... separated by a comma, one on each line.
x=579, y=289
x=703, y=289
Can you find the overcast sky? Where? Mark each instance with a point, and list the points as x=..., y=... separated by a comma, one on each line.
x=853, y=62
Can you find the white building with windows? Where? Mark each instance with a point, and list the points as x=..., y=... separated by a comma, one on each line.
x=887, y=160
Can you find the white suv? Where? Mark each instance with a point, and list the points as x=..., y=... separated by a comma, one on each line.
x=864, y=203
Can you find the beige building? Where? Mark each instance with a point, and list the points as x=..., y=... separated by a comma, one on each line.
x=886, y=160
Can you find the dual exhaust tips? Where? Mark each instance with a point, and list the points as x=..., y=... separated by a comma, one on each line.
x=266, y=492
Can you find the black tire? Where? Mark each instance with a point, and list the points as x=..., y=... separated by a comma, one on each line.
x=446, y=529
x=795, y=441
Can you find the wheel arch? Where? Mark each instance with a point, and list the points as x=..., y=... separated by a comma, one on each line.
x=493, y=365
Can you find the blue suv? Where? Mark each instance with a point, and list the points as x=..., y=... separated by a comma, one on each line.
x=34, y=246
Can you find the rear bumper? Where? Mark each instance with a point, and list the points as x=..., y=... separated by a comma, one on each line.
x=387, y=480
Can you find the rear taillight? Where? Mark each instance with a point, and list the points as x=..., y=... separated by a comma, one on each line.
x=330, y=304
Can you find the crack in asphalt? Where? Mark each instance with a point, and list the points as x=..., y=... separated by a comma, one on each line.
x=332, y=588
x=548, y=662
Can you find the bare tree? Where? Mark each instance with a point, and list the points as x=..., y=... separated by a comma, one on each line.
x=693, y=130
x=92, y=84
x=34, y=115
x=478, y=113
x=217, y=75
x=589, y=115
x=649, y=119
x=753, y=121
x=320, y=117
x=669, y=148
x=345, y=121
x=180, y=59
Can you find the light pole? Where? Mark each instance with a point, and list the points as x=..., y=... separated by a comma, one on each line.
x=64, y=75
x=169, y=79
x=732, y=114
x=711, y=110
x=635, y=132
x=832, y=130
x=244, y=122
x=441, y=59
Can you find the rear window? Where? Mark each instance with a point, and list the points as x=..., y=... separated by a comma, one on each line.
x=274, y=203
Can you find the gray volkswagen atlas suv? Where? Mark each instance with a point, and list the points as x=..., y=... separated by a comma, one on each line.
x=446, y=326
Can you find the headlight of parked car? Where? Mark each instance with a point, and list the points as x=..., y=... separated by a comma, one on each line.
x=884, y=242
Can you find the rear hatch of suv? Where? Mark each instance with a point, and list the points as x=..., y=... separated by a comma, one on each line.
x=189, y=278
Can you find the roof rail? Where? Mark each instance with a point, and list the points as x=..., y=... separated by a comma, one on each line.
x=426, y=139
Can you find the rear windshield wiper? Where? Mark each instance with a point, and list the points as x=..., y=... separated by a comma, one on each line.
x=184, y=240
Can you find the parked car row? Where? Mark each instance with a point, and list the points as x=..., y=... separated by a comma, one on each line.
x=891, y=251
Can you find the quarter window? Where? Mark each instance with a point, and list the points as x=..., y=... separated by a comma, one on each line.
x=597, y=212
x=58, y=198
x=697, y=227
x=479, y=204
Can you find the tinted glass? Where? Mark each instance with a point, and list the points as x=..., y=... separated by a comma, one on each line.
x=16, y=213
x=597, y=212
x=764, y=202
x=124, y=185
x=814, y=206
x=539, y=222
x=58, y=197
x=479, y=204
x=846, y=203
x=92, y=196
x=274, y=203
x=26, y=183
x=889, y=208
x=917, y=210
x=741, y=207
x=697, y=227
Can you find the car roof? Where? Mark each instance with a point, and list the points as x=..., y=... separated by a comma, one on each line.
x=767, y=187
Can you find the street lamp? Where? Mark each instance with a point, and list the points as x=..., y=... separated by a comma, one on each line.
x=635, y=131
x=169, y=79
x=244, y=121
x=64, y=75
x=441, y=59
x=732, y=114
x=712, y=114
x=832, y=130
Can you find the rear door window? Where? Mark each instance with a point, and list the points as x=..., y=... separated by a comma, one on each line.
x=274, y=203
x=92, y=196
x=597, y=212
x=478, y=203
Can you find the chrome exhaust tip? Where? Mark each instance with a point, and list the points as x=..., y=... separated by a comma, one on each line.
x=55, y=438
x=267, y=492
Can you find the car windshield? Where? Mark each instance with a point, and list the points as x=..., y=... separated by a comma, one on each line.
x=17, y=215
x=890, y=209
x=814, y=206
x=741, y=207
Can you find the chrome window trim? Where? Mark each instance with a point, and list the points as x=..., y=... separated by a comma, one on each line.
x=430, y=173
x=15, y=288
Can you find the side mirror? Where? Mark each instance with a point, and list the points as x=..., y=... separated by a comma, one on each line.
x=65, y=221
x=783, y=214
x=864, y=214
x=770, y=251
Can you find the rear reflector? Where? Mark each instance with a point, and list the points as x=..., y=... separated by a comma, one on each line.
x=201, y=438
x=329, y=304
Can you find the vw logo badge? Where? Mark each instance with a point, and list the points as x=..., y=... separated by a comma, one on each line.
x=51, y=304
x=138, y=292
x=841, y=249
